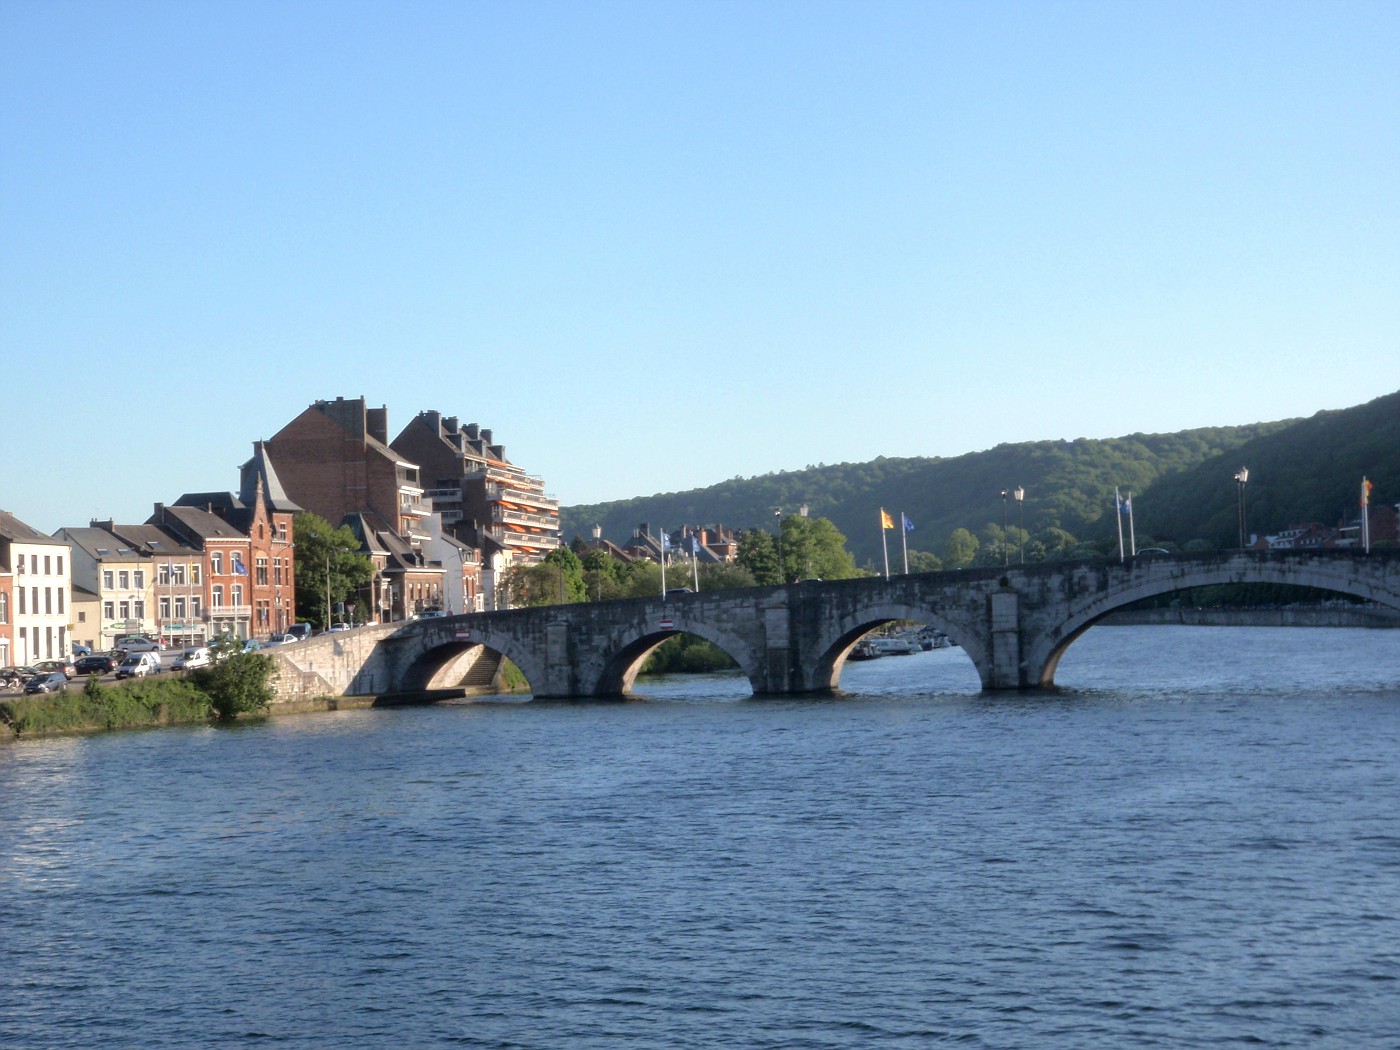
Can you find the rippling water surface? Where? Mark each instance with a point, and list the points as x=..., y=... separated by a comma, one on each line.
x=1194, y=842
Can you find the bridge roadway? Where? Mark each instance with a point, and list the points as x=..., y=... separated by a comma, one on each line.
x=1014, y=623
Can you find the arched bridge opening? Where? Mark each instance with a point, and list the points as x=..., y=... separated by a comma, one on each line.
x=628, y=652
x=1043, y=655
x=853, y=630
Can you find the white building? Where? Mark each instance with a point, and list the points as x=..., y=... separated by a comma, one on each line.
x=39, y=568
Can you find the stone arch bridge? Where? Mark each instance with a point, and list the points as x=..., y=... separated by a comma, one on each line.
x=1015, y=624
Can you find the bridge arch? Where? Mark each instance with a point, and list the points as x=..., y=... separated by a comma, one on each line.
x=627, y=648
x=835, y=644
x=436, y=658
x=1043, y=652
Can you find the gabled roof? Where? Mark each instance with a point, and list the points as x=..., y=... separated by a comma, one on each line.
x=193, y=524
x=16, y=531
x=260, y=468
x=101, y=545
x=151, y=539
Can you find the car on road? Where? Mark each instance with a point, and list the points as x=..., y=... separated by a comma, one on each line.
x=135, y=644
x=299, y=631
x=195, y=656
x=47, y=682
x=63, y=667
x=95, y=665
x=138, y=665
x=337, y=627
x=17, y=675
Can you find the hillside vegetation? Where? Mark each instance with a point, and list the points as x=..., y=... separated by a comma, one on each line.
x=1182, y=486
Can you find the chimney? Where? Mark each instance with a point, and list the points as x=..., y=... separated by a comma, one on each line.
x=377, y=423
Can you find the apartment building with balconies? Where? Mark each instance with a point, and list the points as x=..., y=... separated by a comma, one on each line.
x=484, y=499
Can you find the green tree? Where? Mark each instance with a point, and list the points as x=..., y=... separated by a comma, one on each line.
x=236, y=683
x=923, y=561
x=961, y=549
x=329, y=568
x=759, y=555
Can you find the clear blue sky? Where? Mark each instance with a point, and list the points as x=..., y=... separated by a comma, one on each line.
x=659, y=245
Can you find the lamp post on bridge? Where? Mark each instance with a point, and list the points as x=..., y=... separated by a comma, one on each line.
x=778, y=528
x=1005, y=554
x=1241, y=478
x=1019, y=494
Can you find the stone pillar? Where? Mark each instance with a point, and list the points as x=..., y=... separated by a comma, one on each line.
x=559, y=669
x=777, y=640
x=1004, y=610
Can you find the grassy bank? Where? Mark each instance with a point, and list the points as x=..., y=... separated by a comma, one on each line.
x=235, y=686
x=143, y=702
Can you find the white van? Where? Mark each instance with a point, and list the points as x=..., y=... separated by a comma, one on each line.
x=197, y=656
x=138, y=665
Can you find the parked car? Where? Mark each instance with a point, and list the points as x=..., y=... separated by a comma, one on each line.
x=195, y=656
x=428, y=614
x=95, y=665
x=337, y=627
x=138, y=665
x=63, y=667
x=299, y=631
x=47, y=682
x=81, y=650
x=13, y=676
x=251, y=645
x=136, y=644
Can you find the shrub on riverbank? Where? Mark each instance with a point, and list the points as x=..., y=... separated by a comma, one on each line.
x=144, y=702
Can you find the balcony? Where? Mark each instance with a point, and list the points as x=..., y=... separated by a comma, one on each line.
x=508, y=516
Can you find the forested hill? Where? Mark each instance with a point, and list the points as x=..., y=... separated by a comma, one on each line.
x=1309, y=471
x=1182, y=486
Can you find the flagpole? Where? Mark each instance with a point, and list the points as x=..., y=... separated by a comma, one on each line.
x=1118, y=513
x=1132, y=533
x=884, y=543
x=1366, y=514
x=904, y=539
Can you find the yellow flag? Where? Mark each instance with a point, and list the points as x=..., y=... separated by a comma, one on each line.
x=886, y=522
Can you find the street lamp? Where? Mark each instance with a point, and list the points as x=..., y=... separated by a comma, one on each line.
x=1005, y=554
x=1019, y=494
x=778, y=523
x=1241, y=477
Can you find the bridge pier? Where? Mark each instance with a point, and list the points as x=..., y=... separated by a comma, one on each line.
x=1004, y=622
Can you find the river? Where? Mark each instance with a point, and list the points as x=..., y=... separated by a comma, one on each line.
x=1194, y=841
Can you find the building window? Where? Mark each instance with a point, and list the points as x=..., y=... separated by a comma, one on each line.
x=194, y=609
x=20, y=592
x=216, y=563
x=177, y=575
x=179, y=608
x=138, y=609
x=60, y=567
x=164, y=608
x=282, y=531
x=194, y=574
x=124, y=580
x=107, y=582
x=48, y=566
x=82, y=617
x=124, y=610
x=138, y=579
x=109, y=611
x=61, y=593
x=260, y=567
x=4, y=607
x=163, y=574
x=19, y=564
x=216, y=596
x=48, y=601
x=236, y=594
